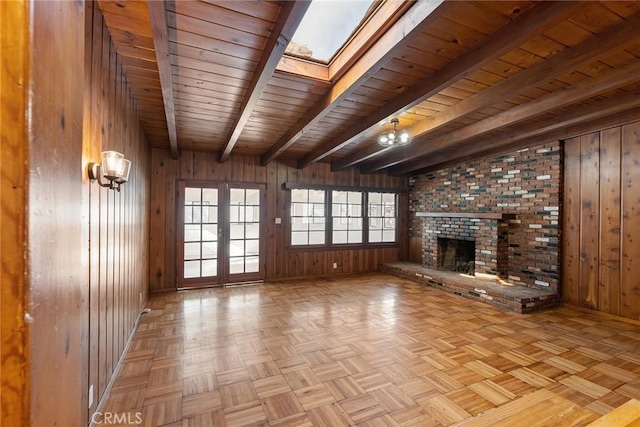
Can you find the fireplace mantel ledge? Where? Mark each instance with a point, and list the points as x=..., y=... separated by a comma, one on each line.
x=481, y=215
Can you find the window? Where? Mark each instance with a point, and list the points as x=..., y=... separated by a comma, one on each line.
x=308, y=222
x=342, y=217
x=346, y=212
x=382, y=217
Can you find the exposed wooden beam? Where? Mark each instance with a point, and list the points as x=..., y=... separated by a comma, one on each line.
x=398, y=36
x=614, y=37
x=362, y=155
x=288, y=20
x=585, y=89
x=505, y=39
x=158, y=17
x=504, y=146
x=549, y=126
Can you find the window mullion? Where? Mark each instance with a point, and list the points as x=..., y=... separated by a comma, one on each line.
x=328, y=217
x=365, y=218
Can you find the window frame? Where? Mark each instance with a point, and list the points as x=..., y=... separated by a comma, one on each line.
x=329, y=244
x=290, y=224
x=346, y=203
x=382, y=217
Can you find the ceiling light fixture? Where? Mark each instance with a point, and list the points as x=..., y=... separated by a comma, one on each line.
x=394, y=137
x=115, y=168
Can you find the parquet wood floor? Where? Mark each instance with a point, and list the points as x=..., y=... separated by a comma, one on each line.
x=369, y=350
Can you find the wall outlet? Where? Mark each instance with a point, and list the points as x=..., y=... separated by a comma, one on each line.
x=278, y=220
x=91, y=396
x=335, y=265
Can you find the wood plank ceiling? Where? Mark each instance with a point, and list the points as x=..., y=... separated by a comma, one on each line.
x=466, y=78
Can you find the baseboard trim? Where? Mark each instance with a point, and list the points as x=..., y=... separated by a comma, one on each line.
x=602, y=314
x=116, y=370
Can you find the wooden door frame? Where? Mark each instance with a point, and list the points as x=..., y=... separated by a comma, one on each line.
x=262, y=258
x=223, y=276
x=179, y=260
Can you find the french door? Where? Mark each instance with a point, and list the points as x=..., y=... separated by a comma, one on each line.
x=220, y=233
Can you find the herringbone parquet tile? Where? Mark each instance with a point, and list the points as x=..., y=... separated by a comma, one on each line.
x=371, y=350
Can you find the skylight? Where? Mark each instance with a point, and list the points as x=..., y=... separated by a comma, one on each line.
x=326, y=27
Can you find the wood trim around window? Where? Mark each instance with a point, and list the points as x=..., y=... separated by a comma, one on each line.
x=329, y=245
x=296, y=186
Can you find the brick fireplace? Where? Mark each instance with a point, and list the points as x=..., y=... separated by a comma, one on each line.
x=488, y=232
x=509, y=205
x=457, y=255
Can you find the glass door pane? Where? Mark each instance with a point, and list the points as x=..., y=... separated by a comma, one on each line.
x=244, y=231
x=220, y=237
x=200, y=236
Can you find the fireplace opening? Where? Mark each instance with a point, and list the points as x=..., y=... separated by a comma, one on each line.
x=456, y=255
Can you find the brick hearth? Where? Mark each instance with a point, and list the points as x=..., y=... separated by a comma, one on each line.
x=520, y=299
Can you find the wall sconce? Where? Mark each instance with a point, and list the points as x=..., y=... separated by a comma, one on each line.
x=114, y=168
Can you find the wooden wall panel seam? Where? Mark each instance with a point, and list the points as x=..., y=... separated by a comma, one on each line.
x=601, y=252
x=630, y=246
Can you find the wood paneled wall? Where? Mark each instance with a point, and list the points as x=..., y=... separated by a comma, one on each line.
x=281, y=262
x=85, y=275
x=601, y=223
x=117, y=230
x=14, y=73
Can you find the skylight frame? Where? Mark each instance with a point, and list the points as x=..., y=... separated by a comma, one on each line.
x=377, y=22
x=373, y=6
